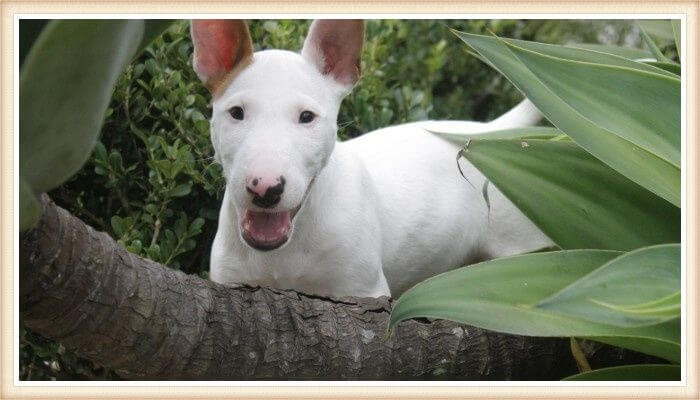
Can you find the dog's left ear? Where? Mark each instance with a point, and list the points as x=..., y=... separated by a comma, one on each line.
x=220, y=46
x=334, y=46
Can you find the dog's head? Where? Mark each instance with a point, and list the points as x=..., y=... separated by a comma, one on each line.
x=273, y=122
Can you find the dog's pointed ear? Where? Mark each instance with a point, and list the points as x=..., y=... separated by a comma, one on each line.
x=220, y=45
x=334, y=46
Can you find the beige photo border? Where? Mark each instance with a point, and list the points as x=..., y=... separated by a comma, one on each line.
x=387, y=9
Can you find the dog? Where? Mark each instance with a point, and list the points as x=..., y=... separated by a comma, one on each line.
x=367, y=217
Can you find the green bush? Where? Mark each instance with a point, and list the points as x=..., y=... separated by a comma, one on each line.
x=152, y=183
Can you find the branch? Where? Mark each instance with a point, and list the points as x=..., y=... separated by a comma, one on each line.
x=146, y=321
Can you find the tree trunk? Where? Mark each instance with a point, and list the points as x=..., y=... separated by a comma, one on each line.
x=146, y=321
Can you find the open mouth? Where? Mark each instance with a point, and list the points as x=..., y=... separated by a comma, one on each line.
x=267, y=230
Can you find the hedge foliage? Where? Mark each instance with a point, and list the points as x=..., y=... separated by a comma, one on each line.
x=153, y=185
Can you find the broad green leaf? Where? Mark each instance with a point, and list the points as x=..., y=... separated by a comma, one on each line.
x=676, y=26
x=666, y=307
x=502, y=295
x=597, y=54
x=670, y=67
x=626, y=52
x=643, y=108
x=574, y=53
x=65, y=86
x=653, y=48
x=460, y=137
x=668, y=349
x=641, y=372
x=29, y=210
x=555, y=181
x=638, y=288
x=632, y=161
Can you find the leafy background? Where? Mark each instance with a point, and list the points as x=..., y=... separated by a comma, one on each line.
x=152, y=184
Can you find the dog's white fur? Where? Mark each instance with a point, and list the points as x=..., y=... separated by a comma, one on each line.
x=378, y=213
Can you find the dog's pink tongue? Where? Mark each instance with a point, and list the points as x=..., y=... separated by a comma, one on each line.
x=266, y=227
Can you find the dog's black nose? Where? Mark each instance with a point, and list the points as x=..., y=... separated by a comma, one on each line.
x=266, y=192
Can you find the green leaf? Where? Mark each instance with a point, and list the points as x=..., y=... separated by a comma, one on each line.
x=118, y=225
x=181, y=190
x=197, y=116
x=638, y=164
x=135, y=247
x=65, y=86
x=642, y=372
x=626, y=52
x=29, y=210
x=666, y=307
x=196, y=226
x=456, y=133
x=653, y=48
x=151, y=67
x=611, y=99
x=115, y=161
x=597, y=54
x=554, y=181
x=670, y=67
x=576, y=53
x=503, y=294
x=202, y=126
x=151, y=209
x=177, y=167
x=676, y=26
x=100, y=152
x=154, y=252
x=164, y=166
x=170, y=240
x=180, y=227
x=638, y=288
x=667, y=348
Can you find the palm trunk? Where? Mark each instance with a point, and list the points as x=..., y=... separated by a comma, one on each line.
x=146, y=321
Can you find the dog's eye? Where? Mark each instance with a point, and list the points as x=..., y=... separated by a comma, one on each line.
x=236, y=112
x=306, y=116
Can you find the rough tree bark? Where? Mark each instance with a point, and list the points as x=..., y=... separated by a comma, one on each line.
x=146, y=321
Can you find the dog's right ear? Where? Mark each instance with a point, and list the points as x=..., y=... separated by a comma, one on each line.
x=334, y=46
x=220, y=46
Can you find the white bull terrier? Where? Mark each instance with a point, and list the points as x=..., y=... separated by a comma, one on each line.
x=371, y=216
